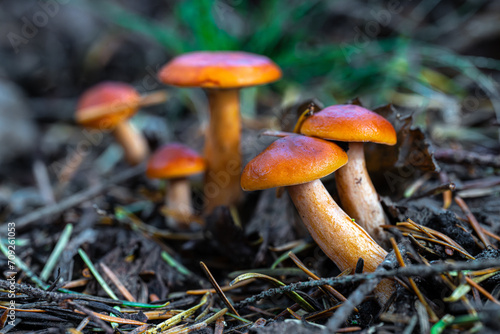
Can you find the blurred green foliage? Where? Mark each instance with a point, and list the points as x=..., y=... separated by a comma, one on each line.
x=292, y=33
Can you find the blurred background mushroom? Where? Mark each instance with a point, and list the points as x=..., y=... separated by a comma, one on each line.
x=108, y=107
x=175, y=162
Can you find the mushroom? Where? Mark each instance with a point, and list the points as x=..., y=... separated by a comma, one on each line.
x=108, y=106
x=356, y=125
x=175, y=162
x=221, y=74
x=297, y=163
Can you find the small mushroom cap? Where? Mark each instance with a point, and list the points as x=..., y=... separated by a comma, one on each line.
x=118, y=102
x=223, y=69
x=174, y=161
x=350, y=123
x=292, y=160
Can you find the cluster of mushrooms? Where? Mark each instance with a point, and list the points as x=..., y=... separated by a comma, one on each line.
x=296, y=161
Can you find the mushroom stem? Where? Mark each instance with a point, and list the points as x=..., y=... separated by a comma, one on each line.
x=358, y=196
x=222, y=149
x=134, y=144
x=342, y=240
x=178, y=199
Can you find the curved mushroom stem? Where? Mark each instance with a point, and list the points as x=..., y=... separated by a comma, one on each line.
x=358, y=196
x=337, y=235
x=178, y=199
x=342, y=240
x=134, y=144
x=222, y=149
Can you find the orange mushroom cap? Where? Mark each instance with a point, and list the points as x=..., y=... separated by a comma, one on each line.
x=292, y=160
x=119, y=101
x=223, y=69
x=173, y=161
x=350, y=123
